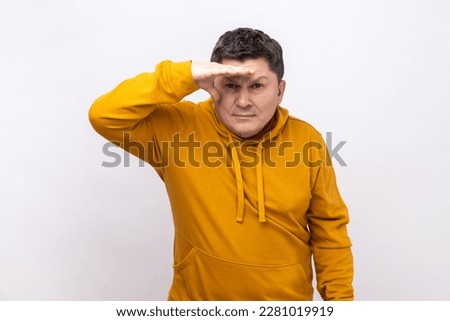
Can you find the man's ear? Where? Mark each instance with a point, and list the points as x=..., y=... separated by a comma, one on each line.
x=281, y=88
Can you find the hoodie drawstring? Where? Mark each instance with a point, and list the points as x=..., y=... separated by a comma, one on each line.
x=240, y=184
x=260, y=186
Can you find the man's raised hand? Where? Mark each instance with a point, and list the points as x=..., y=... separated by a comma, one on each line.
x=204, y=74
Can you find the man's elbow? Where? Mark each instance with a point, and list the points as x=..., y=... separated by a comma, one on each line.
x=96, y=117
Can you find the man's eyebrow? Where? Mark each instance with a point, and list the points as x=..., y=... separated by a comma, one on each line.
x=230, y=78
x=260, y=78
x=236, y=78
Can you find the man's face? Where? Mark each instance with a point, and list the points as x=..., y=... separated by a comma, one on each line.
x=248, y=103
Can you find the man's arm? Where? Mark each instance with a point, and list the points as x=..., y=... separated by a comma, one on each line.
x=126, y=108
x=328, y=219
x=129, y=109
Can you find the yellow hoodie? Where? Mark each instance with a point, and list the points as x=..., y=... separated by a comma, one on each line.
x=248, y=215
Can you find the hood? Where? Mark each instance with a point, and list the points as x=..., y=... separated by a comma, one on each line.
x=270, y=131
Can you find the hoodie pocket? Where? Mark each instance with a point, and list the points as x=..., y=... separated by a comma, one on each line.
x=200, y=276
x=186, y=260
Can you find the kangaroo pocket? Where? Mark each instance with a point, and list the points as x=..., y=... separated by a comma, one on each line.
x=200, y=276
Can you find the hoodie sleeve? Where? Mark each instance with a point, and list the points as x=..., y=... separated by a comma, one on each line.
x=328, y=218
x=133, y=114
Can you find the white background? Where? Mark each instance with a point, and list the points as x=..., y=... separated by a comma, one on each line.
x=374, y=73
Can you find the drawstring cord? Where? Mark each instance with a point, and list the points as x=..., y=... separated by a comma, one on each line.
x=240, y=185
x=260, y=185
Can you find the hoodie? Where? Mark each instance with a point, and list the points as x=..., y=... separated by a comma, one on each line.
x=249, y=215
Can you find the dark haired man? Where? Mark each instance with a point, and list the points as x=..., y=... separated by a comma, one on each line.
x=252, y=189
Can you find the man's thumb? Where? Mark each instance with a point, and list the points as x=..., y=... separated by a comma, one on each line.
x=214, y=93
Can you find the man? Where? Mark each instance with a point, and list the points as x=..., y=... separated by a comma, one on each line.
x=252, y=190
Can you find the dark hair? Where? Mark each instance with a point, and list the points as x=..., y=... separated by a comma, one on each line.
x=244, y=43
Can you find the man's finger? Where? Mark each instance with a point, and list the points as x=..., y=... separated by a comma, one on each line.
x=236, y=71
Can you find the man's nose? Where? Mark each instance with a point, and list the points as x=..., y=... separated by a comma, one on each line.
x=243, y=99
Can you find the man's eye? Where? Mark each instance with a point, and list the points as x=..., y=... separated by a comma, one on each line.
x=231, y=86
x=257, y=85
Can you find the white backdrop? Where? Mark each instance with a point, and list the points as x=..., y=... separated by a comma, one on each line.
x=374, y=73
